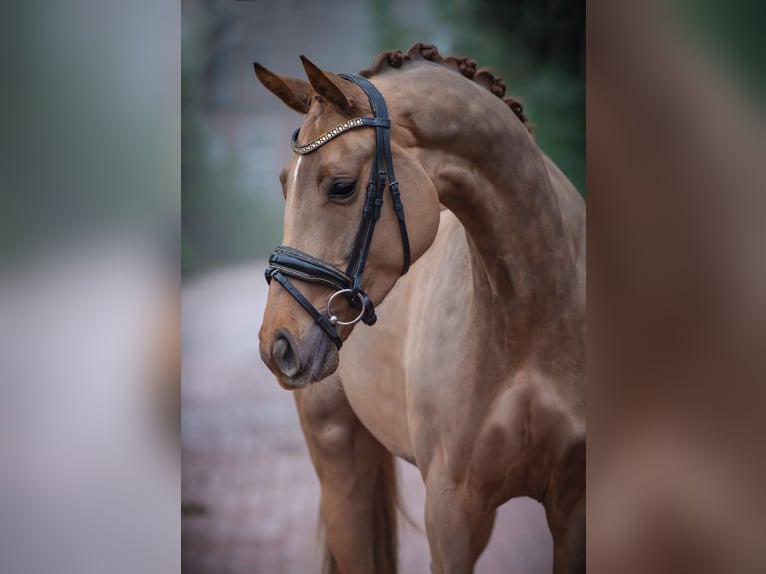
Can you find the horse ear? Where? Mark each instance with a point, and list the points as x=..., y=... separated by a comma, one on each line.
x=292, y=91
x=326, y=85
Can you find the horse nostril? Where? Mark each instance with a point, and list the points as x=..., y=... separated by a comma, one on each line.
x=285, y=357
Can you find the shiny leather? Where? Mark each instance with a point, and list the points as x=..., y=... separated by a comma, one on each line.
x=322, y=320
x=308, y=268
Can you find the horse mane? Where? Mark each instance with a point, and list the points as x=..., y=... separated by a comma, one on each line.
x=466, y=66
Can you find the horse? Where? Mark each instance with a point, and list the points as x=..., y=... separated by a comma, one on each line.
x=474, y=369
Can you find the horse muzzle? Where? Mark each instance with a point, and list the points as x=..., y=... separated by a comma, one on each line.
x=297, y=364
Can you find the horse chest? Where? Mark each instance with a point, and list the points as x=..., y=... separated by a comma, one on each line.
x=373, y=381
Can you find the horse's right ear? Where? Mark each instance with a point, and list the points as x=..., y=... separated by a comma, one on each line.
x=292, y=91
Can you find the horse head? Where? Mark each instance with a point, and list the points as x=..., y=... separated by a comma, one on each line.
x=345, y=242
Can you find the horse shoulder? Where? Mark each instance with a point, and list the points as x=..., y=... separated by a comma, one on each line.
x=530, y=433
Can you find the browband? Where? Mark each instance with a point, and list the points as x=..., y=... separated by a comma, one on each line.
x=335, y=132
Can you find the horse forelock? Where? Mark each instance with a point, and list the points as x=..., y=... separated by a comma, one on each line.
x=395, y=59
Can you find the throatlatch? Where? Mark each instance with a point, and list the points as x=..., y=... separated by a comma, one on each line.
x=288, y=262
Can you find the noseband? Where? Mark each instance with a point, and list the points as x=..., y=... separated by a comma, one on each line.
x=288, y=262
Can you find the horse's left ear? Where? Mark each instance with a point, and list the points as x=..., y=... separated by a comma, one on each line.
x=292, y=91
x=327, y=85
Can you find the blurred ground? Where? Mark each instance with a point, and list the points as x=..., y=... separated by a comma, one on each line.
x=250, y=495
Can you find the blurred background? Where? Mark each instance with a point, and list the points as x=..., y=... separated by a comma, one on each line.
x=90, y=238
x=236, y=134
x=250, y=495
x=90, y=183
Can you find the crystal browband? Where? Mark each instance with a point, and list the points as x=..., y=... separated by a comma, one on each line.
x=325, y=137
x=335, y=132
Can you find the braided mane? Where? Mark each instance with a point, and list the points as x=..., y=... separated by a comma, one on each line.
x=466, y=66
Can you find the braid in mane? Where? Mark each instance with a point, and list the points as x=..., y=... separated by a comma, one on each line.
x=466, y=66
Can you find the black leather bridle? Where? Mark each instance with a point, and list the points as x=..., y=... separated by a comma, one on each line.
x=288, y=262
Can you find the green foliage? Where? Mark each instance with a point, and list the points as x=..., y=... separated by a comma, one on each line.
x=733, y=30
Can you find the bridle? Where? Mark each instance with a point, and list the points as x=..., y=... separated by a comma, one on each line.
x=287, y=262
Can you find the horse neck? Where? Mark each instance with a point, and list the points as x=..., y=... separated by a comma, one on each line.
x=489, y=172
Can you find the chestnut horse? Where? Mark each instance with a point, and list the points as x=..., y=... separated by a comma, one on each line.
x=475, y=369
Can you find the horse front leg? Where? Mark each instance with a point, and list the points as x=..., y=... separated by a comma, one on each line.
x=565, y=511
x=457, y=525
x=357, y=479
x=569, y=539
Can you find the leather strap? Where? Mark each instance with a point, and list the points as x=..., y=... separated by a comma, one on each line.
x=322, y=320
x=375, y=122
x=383, y=159
x=304, y=266
x=299, y=265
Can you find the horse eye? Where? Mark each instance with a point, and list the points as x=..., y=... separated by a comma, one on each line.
x=342, y=189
